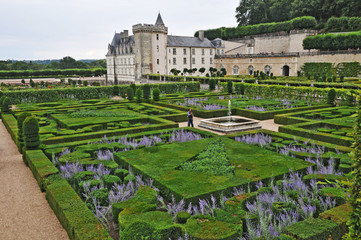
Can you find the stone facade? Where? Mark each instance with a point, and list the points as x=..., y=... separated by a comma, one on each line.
x=152, y=51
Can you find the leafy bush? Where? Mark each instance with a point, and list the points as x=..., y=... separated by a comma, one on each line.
x=182, y=217
x=331, y=96
x=156, y=93
x=116, y=90
x=110, y=180
x=139, y=94
x=31, y=132
x=212, y=84
x=20, y=121
x=132, y=85
x=6, y=105
x=230, y=86
x=146, y=91
x=130, y=93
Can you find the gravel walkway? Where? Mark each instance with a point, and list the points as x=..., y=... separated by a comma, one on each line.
x=266, y=124
x=24, y=211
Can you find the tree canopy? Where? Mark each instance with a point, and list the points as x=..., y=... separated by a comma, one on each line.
x=264, y=11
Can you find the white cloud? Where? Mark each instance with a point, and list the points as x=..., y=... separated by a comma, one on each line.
x=83, y=28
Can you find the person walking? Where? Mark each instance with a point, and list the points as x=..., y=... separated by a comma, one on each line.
x=190, y=117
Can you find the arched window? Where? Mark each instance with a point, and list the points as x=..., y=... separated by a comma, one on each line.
x=267, y=70
x=235, y=70
x=250, y=70
x=285, y=70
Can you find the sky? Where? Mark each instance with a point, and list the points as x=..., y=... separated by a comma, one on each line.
x=82, y=29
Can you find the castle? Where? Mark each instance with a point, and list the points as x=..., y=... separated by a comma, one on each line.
x=152, y=51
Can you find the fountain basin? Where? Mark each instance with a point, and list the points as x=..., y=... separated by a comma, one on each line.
x=230, y=124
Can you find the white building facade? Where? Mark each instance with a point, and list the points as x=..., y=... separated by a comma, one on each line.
x=152, y=51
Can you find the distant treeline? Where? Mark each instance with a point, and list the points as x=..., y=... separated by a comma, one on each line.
x=53, y=72
x=64, y=63
x=241, y=31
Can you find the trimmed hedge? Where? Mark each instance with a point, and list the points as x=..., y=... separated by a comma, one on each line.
x=52, y=72
x=53, y=95
x=314, y=229
x=340, y=215
x=31, y=133
x=11, y=125
x=342, y=41
x=40, y=166
x=305, y=22
x=72, y=212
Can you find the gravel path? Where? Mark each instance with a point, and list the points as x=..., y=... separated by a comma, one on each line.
x=266, y=124
x=24, y=211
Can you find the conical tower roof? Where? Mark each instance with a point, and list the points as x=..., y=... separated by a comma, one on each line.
x=159, y=21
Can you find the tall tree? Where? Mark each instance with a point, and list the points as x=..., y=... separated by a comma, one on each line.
x=67, y=63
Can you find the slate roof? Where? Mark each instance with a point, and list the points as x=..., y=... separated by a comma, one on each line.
x=180, y=41
x=117, y=41
x=159, y=20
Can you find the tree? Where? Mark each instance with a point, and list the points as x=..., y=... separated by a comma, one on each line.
x=32, y=83
x=139, y=94
x=156, y=93
x=146, y=91
x=331, y=96
x=212, y=84
x=230, y=86
x=202, y=70
x=134, y=87
x=354, y=191
x=174, y=71
x=31, y=133
x=67, y=63
x=85, y=83
x=130, y=93
x=20, y=122
x=5, y=105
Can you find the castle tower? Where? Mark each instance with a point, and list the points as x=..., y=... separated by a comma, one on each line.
x=150, y=48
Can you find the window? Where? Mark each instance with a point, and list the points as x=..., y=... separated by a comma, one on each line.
x=174, y=61
x=169, y=61
x=174, y=51
x=193, y=61
x=157, y=36
x=267, y=70
x=250, y=70
x=169, y=50
x=202, y=60
x=184, y=60
x=217, y=51
x=193, y=51
x=184, y=51
x=158, y=61
x=235, y=70
x=222, y=52
x=157, y=48
x=211, y=51
x=202, y=51
x=211, y=60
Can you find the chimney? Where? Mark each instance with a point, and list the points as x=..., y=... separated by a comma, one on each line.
x=201, y=35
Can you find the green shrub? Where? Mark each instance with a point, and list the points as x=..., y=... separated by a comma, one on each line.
x=121, y=173
x=139, y=94
x=85, y=83
x=31, y=133
x=116, y=90
x=101, y=195
x=132, y=85
x=331, y=96
x=20, y=121
x=110, y=180
x=230, y=86
x=130, y=93
x=5, y=105
x=146, y=91
x=204, y=227
x=314, y=229
x=182, y=217
x=156, y=93
x=212, y=84
x=137, y=230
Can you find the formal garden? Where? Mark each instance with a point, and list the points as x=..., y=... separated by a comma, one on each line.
x=122, y=168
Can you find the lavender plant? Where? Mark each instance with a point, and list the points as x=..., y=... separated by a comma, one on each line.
x=258, y=138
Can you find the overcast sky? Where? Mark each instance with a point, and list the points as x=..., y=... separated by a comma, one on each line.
x=46, y=29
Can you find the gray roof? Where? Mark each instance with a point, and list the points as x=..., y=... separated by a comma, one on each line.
x=178, y=41
x=159, y=20
x=118, y=41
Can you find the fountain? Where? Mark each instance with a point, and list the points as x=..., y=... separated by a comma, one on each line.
x=230, y=124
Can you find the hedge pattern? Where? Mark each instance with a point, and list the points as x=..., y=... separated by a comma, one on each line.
x=53, y=72
x=330, y=41
x=53, y=95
